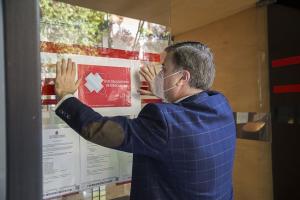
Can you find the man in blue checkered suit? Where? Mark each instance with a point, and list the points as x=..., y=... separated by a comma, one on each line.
x=182, y=148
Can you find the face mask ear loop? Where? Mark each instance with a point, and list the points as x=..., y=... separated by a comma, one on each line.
x=175, y=83
x=172, y=74
x=170, y=88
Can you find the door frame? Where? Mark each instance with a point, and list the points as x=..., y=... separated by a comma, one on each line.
x=23, y=104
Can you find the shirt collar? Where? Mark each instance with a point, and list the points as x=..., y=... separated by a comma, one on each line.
x=182, y=98
x=202, y=94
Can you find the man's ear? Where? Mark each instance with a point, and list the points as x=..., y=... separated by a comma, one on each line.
x=186, y=76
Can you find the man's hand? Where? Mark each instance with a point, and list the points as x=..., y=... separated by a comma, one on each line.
x=148, y=72
x=65, y=78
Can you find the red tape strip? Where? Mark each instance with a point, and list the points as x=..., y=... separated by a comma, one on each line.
x=286, y=61
x=94, y=51
x=293, y=88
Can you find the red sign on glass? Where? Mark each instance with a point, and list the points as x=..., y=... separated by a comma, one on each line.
x=104, y=86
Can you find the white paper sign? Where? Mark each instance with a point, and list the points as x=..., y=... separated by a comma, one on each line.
x=241, y=117
x=60, y=162
x=125, y=163
x=99, y=165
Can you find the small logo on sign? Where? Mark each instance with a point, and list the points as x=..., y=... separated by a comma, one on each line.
x=94, y=82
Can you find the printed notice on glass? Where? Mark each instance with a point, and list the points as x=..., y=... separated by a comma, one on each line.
x=60, y=162
x=125, y=163
x=99, y=165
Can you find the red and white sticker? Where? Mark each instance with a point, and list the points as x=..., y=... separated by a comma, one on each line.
x=104, y=86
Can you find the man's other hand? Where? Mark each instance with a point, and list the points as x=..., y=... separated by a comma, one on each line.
x=65, y=82
x=149, y=72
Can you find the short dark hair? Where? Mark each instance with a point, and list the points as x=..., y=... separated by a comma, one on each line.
x=196, y=58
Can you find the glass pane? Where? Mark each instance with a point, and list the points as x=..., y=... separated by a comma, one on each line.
x=108, y=50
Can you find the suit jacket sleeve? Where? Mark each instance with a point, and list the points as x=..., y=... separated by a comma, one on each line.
x=147, y=134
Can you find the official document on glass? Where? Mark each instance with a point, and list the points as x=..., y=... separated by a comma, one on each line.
x=61, y=166
x=99, y=165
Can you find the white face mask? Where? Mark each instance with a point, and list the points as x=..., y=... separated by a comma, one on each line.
x=159, y=85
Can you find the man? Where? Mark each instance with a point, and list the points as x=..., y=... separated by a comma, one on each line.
x=183, y=149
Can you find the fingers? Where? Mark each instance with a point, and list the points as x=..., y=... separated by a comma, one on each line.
x=66, y=69
x=63, y=67
x=148, y=72
x=69, y=67
x=146, y=76
x=58, y=69
x=151, y=70
x=155, y=70
x=73, y=70
x=77, y=83
x=145, y=92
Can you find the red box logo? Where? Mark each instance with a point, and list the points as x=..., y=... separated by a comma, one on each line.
x=104, y=86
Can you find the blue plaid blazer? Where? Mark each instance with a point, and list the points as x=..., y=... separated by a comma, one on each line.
x=181, y=150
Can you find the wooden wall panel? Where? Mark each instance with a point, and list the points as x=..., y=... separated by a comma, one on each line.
x=239, y=44
x=253, y=170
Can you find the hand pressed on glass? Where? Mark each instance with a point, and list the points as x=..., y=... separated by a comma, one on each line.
x=149, y=72
x=65, y=82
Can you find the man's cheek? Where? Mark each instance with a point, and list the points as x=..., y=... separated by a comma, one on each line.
x=168, y=83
